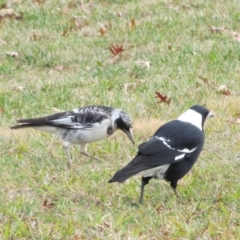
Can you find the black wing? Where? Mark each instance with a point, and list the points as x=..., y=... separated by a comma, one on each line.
x=65, y=120
x=173, y=142
x=95, y=109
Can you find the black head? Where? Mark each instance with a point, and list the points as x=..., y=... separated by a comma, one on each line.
x=124, y=123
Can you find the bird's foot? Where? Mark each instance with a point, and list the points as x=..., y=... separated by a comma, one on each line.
x=86, y=154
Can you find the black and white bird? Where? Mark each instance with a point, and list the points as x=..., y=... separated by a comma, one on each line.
x=82, y=125
x=171, y=152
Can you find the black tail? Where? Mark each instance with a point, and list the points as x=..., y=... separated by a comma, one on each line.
x=129, y=170
x=32, y=122
x=26, y=125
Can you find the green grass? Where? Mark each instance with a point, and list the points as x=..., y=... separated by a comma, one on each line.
x=64, y=66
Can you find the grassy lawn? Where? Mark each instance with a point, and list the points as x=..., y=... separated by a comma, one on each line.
x=60, y=55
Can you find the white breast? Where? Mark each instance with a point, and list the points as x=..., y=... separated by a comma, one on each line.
x=95, y=133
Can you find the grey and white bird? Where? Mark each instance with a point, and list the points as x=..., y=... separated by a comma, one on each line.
x=171, y=152
x=82, y=126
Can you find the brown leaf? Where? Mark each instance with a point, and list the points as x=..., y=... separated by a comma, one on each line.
x=12, y=54
x=34, y=37
x=64, y=34
x=115, y=50
x=133, y=23
x=48, y=205
x=2, y=110
x=205, y=80
x=224, y=90
x=162, y=98
x=102, y=31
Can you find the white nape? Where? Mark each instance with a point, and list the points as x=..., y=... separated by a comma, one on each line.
x=192, y=117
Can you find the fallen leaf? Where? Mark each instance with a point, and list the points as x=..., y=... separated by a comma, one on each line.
x=102, y=31
x=12, y=54
x=116, y=49
x=162, y=98
x=64, y=34
x=133, y=23
x=205, y=80
x=48, y=205
x=2, y=110
x=34, y=37
x=224, y=90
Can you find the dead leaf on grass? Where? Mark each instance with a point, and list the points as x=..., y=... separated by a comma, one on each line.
x=223, y=89
x=12, y=54
x=207, y=81
x=115, y=50
x=162, y=98
x=47, y=204
x=102, y=30
x=133, y=23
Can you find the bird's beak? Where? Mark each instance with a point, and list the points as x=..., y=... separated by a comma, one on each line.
x=210, y=114
x=129, y=133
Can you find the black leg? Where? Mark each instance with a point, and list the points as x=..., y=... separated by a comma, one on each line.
x=173, y=185
x=145, y=181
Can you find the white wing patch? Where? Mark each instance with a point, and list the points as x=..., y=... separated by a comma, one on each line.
x=165, y=142
x=185, y=150
x=179, y=157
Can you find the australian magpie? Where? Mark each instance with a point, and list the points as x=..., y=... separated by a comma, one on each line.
x=82, y=125
x=171, y=152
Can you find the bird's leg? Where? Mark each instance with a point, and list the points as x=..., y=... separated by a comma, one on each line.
x=83, y=151
x=66, y=150
x=173, y=185
x=145, y=181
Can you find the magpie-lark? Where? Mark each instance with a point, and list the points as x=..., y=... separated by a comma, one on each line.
x=82, y=125
x=171, y=152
